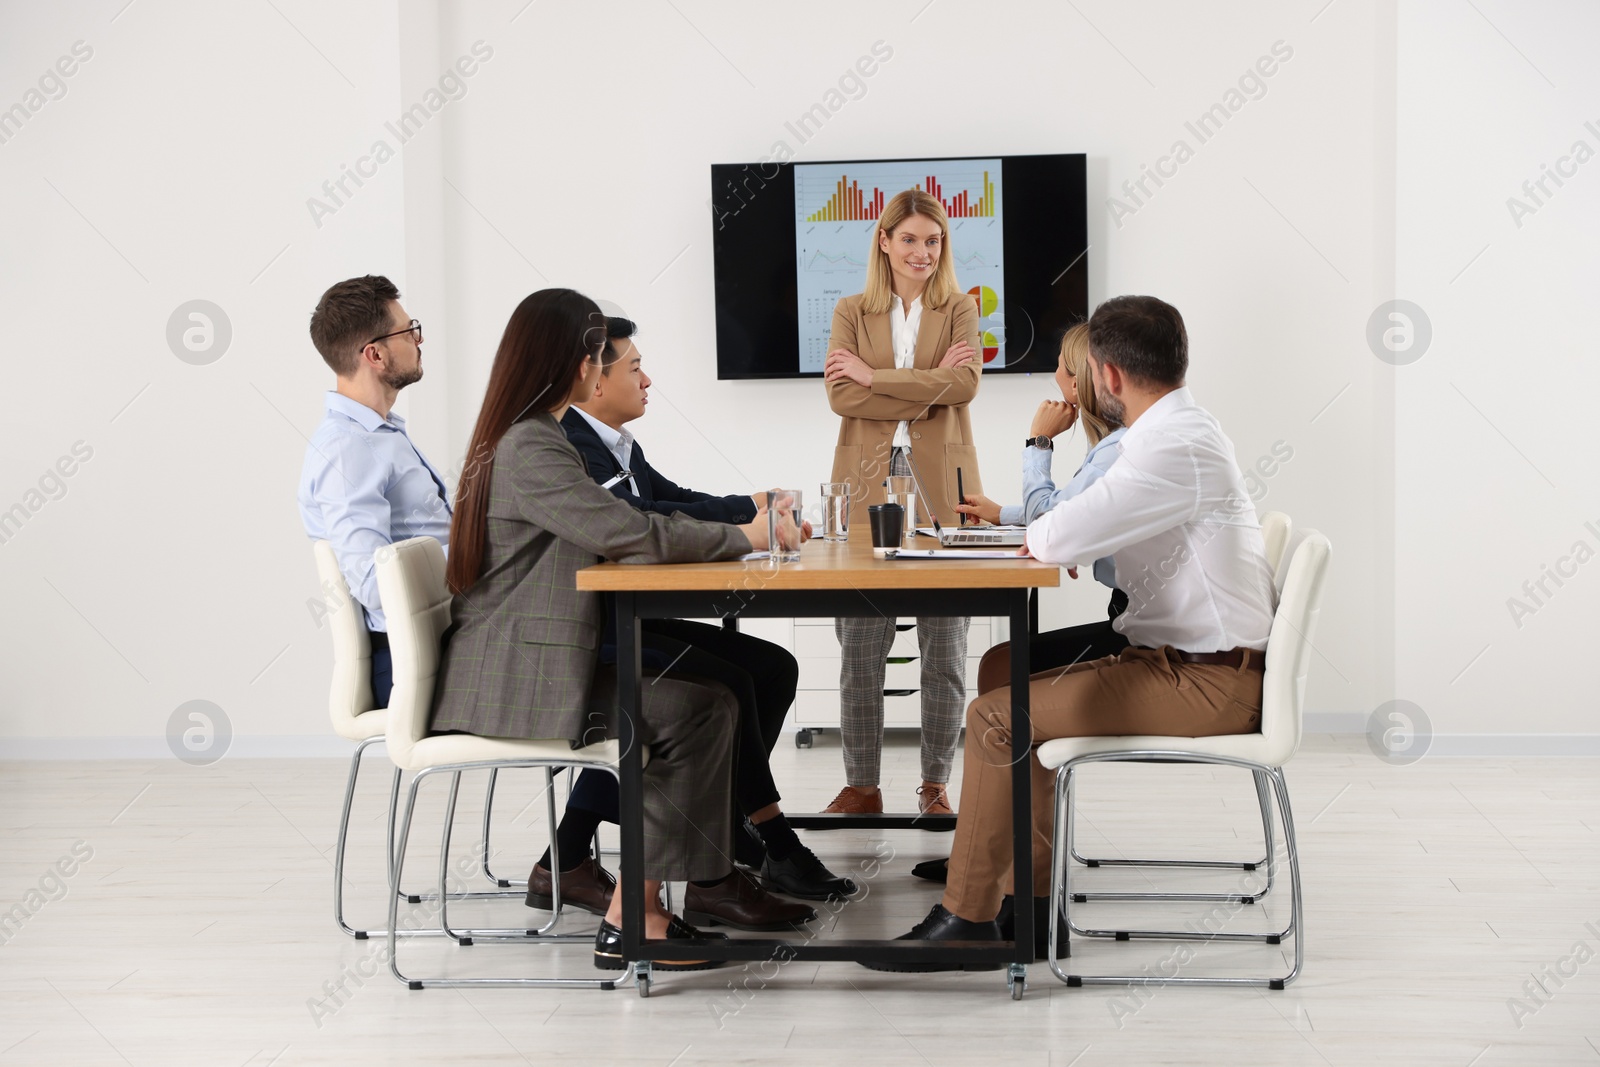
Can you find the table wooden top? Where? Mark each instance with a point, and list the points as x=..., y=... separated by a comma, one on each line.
x=824, y=565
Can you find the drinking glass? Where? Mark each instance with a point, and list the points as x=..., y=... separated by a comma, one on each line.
x=902, y=490
x=835, y=511
x=783, y=525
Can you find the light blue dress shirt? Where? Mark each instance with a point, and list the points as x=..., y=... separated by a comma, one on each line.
x=365, y=485
x=1039, y=492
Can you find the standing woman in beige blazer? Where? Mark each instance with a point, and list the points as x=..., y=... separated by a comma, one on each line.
x=902, y=367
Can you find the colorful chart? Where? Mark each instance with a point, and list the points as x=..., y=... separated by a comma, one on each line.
x=961, y=206
x=988, y=300
x=837, y=207
x=848, y=204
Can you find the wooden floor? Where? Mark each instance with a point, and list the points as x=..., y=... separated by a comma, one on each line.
x=194, y=926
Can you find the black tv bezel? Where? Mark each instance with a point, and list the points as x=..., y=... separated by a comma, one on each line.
x=1049, y=306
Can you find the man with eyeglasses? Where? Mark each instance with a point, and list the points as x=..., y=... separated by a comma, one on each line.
x=364, y=483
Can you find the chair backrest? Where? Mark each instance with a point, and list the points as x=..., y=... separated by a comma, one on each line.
x=1275, y=530
x=350, y=694
x=416, y=604
x=1289, y=648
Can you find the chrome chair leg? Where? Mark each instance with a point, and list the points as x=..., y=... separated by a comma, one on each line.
x=394, y=918
x=1062, y=896
x=488, y=852
x=467, y=937
x=1224, y=865
x=343, y=836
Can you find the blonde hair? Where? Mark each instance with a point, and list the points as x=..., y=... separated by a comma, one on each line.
x=878, y=296
x=1075, y=358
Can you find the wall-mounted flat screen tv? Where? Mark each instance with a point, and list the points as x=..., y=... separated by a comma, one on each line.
x=790, y=239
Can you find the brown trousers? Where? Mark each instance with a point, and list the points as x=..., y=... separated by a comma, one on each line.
x=1140, y=691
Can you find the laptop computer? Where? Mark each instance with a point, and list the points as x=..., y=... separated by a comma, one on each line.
x=976, y=536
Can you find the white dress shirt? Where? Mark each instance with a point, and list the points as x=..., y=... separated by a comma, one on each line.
x=1174, y=513
x=903, y=325
x=620, y=442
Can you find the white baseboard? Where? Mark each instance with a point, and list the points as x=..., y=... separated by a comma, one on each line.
x=326, y=746
x=244, y=746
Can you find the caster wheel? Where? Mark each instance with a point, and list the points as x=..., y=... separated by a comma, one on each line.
x=802, y=739
x=641, y=977
x=1017, y=980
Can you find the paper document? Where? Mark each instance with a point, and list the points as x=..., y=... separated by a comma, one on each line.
x=956, y=553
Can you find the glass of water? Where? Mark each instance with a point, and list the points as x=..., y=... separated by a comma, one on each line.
x=783, y=525
x=902, y=490
x=835, y=511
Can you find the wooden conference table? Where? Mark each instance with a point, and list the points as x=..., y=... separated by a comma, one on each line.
x=831, y=579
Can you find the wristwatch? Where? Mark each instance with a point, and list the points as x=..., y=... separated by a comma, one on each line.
x=1042, y=441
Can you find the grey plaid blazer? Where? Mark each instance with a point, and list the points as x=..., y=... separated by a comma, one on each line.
x=522, y=660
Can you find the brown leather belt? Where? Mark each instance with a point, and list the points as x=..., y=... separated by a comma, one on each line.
x=1234, y=657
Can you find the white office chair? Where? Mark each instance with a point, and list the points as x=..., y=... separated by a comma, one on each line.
x=416, y=602
x=1288, y=658
x=1276, y=530
x=356, y=717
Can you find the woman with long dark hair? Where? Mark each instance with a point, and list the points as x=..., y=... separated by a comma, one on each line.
x=523, y=661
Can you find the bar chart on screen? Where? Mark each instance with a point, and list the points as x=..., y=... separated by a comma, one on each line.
x=837, y=210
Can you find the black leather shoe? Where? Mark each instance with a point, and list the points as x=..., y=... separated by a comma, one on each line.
x=587, y=887
x=1006, y=920
x=608, y=948
x=801, y=874
x=940, y=925
x=933, y=870
x=749, y=850
x=741, y=902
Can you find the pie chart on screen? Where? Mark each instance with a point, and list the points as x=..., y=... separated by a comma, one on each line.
x=988, y=299
x=991, y=346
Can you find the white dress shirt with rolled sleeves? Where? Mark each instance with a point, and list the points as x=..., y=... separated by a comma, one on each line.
x=1174, y=513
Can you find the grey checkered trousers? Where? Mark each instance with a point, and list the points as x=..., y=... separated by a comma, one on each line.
x=864, y=647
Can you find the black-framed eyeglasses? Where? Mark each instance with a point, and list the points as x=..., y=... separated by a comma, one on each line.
x=415, y=330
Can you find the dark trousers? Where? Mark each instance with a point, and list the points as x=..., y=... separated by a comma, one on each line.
x=1057, y=648
x=763, y=678
x=382, y=669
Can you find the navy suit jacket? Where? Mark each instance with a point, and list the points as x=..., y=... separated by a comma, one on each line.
x=656, y=492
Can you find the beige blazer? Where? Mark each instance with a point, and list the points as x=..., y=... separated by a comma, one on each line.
x=933, y=401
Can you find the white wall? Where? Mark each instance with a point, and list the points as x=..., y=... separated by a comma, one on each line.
x=174, y=568
x=1495, y=466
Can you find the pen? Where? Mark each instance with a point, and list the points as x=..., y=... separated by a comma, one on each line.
x=961, y=516
x=617, y=480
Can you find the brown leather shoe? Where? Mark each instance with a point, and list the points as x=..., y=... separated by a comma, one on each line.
x=933, y=799
x=741, y=902
x=853, y=801
x=586, y=887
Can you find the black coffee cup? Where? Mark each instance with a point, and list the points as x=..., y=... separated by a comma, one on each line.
x=888, y=522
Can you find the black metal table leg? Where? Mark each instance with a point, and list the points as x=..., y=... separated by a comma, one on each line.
x=1021, y=781
x=629, y=671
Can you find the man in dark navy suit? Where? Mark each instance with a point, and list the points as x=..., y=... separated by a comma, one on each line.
x=762, y=675
x=597, y=430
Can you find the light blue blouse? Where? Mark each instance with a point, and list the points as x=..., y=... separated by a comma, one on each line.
x=1040, y=493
